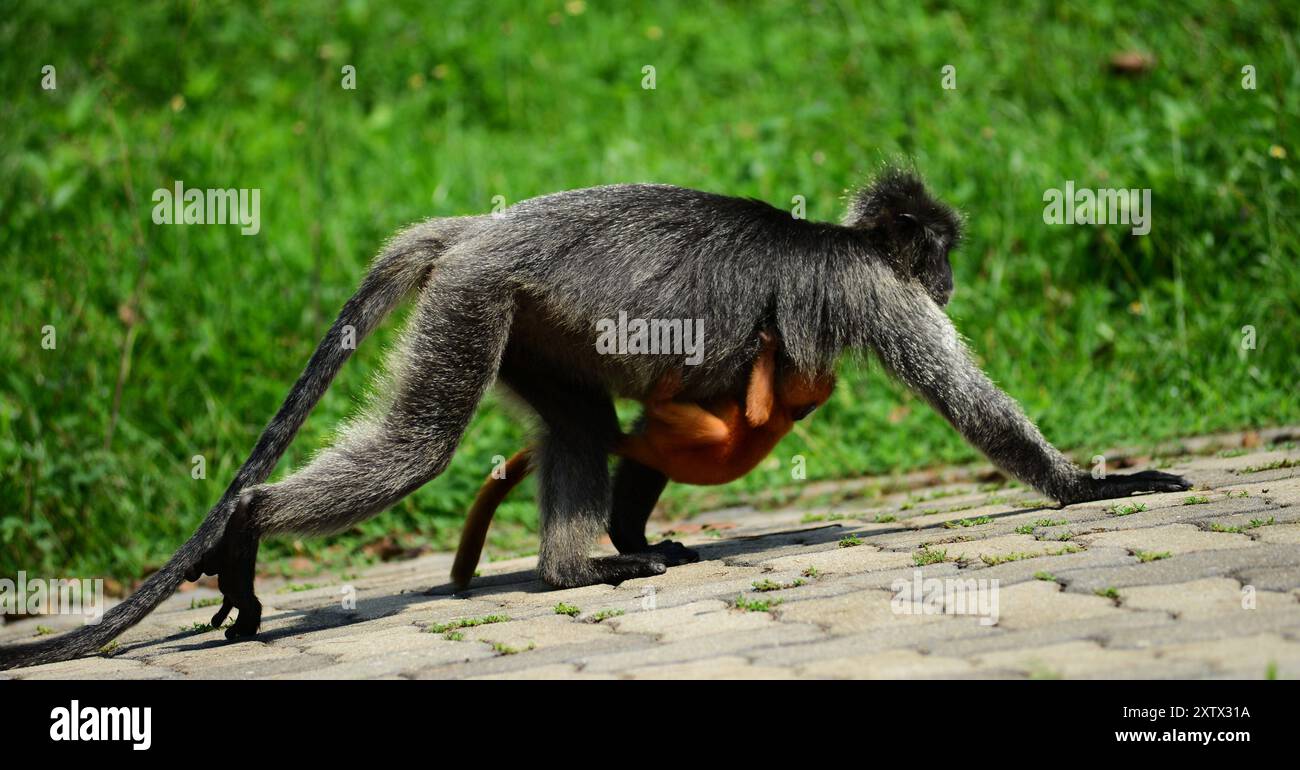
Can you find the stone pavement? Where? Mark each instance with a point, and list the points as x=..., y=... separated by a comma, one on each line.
x=863, y=585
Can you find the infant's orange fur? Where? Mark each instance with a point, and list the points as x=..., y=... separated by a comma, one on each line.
x=708, y=442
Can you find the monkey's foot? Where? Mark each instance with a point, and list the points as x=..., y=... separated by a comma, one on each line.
x=234, y=562
x=673, y=553
x=1123, y=485
x=611, y=570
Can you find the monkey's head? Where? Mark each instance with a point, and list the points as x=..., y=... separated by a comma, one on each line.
x=910, y=229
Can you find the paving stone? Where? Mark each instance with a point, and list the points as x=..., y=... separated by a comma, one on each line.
x=1041, y=602
x=861, y=558
x=1184, y=567
x=689, y=620
x=1103, y=629
x=1173, y=538
x=890, y=664
x=545, y=631
x=1205, y=598
x=725, y=667
x=713, y=645
x=95, y=668
x=1068, y=660
x=1258, y=653
x=852, y=612
x=552, y=671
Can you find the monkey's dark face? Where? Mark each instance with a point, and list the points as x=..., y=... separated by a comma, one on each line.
x=913, y=231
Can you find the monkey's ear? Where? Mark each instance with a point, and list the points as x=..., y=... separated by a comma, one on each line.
x=897, y=210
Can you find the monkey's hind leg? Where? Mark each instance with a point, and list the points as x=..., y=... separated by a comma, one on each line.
x=451, y=352
x=238, y=557
x=574, y=500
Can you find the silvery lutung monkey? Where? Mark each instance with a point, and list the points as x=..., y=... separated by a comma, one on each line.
x=516, y=298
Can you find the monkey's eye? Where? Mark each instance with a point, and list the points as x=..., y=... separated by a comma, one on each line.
x=803, y=412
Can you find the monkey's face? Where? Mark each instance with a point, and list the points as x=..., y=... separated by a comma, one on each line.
x=912, y=230
x=932, y=267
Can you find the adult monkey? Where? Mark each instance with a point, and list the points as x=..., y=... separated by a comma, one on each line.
x=517, y=297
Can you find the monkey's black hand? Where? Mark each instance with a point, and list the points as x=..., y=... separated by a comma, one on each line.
x=1123, y=485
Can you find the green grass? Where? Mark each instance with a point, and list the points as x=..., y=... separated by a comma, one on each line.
x=755, y=605
x=439, y=628
x=850, y=541
x=1149, y=556
x=1127, y=509
x=605, y=615
x=929, y=555
x=567, y=609
x=181, y=341
x=960, y=523
x=771, y=585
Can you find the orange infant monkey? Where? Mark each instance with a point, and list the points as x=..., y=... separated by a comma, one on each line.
x=709, y=442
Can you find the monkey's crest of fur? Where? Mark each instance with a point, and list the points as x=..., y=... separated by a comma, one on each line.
x=901, y=217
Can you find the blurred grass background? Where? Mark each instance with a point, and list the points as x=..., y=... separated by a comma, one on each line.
x=181, y=341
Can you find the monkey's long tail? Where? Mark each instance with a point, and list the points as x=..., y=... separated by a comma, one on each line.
x=399, y=271
x=489, y=497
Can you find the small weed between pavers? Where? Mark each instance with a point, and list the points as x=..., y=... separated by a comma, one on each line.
x=211, y=601
x=1059, y=537
x=930, y=556
x=1041, y=575
x=1196, y=500
x=850, y=541
x=1252, y=524
x=438, y=628
x=1039, y=503
x=1128, y=510
x=454, y=636
x=1232, y=453
x=771, y=585
x=44, y=630
x=1285, y=462
x=502, y=648
x=885, y=518
x=811, y=572
x=604, y=615
x=755, y=605
x=1028, y=529
x=1146, y=556
x=1262, y=522
x=1217, y=527
x=110, y=648
x=1270, y=671
x=993, y=561
x=1108, y=593
x=567, y=609
x=967, y=522
x=199, y=628
x=1229, y=494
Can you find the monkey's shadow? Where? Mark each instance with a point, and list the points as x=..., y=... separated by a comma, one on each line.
x=307, y=620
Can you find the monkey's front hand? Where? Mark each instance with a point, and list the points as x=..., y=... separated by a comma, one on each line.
x=1123, y=485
